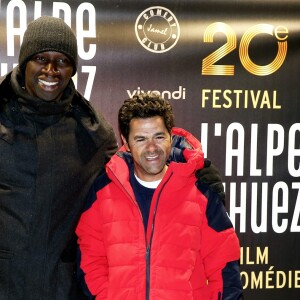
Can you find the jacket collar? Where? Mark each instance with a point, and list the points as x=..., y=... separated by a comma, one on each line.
x=36, y=105
x=12, y=94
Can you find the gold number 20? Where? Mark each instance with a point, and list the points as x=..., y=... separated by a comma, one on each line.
x=210, y=68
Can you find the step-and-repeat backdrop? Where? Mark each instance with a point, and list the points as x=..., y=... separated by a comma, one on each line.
x=231, y=71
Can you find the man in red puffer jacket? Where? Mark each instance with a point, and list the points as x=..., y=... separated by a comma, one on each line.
x=152, y=231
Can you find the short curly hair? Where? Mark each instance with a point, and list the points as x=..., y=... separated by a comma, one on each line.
x=144, y=105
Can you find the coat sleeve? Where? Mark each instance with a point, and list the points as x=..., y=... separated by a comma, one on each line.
x=93, y=257
x=220, y=251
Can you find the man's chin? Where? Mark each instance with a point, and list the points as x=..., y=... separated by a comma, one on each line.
x=49, y=97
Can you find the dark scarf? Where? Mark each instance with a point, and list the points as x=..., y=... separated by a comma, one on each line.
x=36, y=105
x=71, y=103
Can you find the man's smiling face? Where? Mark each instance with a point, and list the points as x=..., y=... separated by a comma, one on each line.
x=150, y=145
x=47, y=74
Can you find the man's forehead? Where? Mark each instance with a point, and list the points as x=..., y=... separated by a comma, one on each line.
x=51, y=53
x=147, y=125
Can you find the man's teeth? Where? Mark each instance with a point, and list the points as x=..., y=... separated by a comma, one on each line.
x=152, y=157
x=48, y=83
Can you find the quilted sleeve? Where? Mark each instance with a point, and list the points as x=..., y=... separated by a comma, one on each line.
x=220, y=251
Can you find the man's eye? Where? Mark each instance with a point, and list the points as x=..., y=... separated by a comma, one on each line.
x=140, y=140
x=160, y=138
x=61, y=61
x=39, y=58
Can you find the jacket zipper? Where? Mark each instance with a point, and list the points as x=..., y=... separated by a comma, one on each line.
x=148, y=273
x=148, y=246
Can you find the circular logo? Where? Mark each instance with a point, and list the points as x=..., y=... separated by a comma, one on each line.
x=157, y=29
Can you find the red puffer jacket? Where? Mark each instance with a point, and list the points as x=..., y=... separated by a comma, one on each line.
x=188, y=244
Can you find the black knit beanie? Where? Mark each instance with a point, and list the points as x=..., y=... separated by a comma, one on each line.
x=48, y=34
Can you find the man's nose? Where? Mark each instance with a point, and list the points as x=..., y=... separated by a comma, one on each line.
x=51, y=68
x=151, y=143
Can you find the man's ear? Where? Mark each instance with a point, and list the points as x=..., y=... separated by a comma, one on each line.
x=125, y=143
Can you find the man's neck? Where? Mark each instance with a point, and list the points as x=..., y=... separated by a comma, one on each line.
x=148, y=184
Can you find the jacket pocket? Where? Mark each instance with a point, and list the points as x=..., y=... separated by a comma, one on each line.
x=5, y=258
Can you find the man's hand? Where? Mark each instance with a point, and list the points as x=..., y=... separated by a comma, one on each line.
x=210, y=175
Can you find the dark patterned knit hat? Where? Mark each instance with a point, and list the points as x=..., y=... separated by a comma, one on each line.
x=48, y=34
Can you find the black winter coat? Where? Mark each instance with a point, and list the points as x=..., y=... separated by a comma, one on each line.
x=50, y=153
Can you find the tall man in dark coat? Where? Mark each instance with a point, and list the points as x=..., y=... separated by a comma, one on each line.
x=52, y=146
